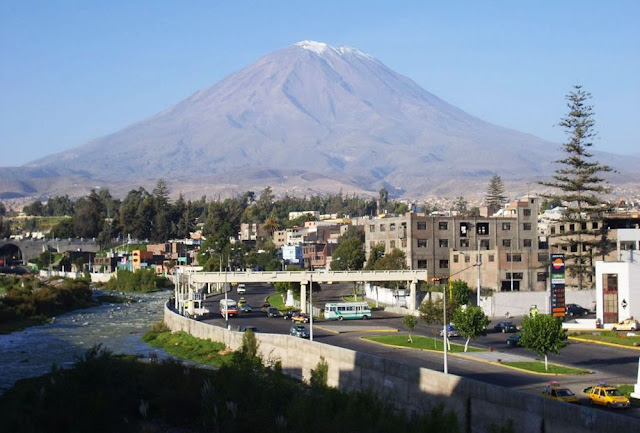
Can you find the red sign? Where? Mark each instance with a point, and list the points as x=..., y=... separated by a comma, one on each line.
x=558, y=263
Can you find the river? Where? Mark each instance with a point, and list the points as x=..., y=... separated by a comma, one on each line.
x=118, y=327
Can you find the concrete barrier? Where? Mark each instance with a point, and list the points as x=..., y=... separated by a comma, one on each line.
x=414, y=389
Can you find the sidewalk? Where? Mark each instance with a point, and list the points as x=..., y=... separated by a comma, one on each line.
x=494, y=357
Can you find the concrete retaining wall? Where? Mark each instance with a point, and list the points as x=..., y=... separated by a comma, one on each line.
x=477, y=404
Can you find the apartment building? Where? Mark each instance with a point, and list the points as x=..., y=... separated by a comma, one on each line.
x=506, y=245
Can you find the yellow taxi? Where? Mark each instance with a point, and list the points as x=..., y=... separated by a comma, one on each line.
x=556, y=392
x=608, y=396
x=242, y=302
x=629, y=324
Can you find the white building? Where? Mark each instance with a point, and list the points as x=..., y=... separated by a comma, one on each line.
x=618, y=283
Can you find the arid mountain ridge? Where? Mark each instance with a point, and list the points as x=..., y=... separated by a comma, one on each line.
x=307, y=119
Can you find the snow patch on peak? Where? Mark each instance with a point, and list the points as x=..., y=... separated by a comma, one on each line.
x=316, y=47
x=320, y=48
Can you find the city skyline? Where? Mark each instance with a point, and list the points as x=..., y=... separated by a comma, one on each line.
x=77, y=72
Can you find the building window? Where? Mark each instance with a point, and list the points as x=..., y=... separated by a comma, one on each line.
x=464, y=243
x=403, y=242
x=443, y=225
x=422, y=225
x=561, y=228
x=464, y=230
x=482, y=228
x=392, y=244
x=594, y=225
x=466, y=258
x=491, y=258
x=392, y=227
x=443, y=243
x=444, y=264
x=382, y=227
x=572, y=227
x=516, y=275
x=553, y=230
x=506, y=226
x=526, y=226
x=455, y=258
x=526, y=212
x=543, y=257
x=542, y=277
x=583, y=226
x=506, y=243
x=372, y=228
x=526, y=243
x=422, y=243
x=574, y=248
x=484, y=244
x=517, y=257
x=422, y=264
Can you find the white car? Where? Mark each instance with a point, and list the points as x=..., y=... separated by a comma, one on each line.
x=242, y=288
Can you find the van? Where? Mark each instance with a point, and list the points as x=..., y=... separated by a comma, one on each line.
x=241, y=288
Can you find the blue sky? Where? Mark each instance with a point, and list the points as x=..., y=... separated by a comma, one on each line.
x=71, y=71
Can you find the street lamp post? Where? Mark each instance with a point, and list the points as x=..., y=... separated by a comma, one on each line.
x=311, y=307
x=444, y=328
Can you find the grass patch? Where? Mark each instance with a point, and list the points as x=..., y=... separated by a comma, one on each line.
x=610, y=337
x=276, y=300
x=185, y=346
x=538, y=367
x=419, y=342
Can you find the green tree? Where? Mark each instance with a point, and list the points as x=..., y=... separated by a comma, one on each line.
x=460, y=293
x=383, y=200
x=376, y=253
x=394, y=260
x=461, y=206
x=495, y=193
x=543, y=333
x=580, y=183
x=409, y=321
x=349, y=256
x=5, y=228
x=471, y=322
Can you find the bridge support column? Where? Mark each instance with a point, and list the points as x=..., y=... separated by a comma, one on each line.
x=412, y=296
x=303, y=296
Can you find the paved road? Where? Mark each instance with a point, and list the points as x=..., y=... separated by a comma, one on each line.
x=615, y=365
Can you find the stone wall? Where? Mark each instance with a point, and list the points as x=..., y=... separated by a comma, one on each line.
x=477, y=404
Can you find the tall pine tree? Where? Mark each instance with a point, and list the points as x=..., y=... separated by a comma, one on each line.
x=495, y=193
x=580, y=188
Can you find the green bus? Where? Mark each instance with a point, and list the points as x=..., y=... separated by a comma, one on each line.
x=346, y=310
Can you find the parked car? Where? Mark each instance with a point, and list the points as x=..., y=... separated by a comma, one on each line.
x=575, y=310
x=299, y=331
x=248, y=328
x=244, y=308
x=505, y=327
x=555, y=392
x=608, y=396
x=451, y=331
x=630, y=324
x=287, y=314
x=273, y=312
x=300, y=317
x=514, y=340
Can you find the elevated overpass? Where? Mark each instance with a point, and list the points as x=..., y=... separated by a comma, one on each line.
x=189, y=279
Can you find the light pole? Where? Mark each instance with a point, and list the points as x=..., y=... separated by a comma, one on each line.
x=444, y=328
x=478, y=263
x=311, y=308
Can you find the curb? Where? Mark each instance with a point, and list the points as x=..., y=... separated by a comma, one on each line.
x=603, y=343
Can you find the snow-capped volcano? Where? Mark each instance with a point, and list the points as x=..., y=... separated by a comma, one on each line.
x=311, y=117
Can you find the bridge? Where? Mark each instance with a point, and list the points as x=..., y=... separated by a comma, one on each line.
x=14, y=252
x=188, y=280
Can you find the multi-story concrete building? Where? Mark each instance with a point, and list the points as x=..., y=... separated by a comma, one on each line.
x=505, y=244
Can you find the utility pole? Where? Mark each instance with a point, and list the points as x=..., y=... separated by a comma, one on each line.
x=444, y=320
